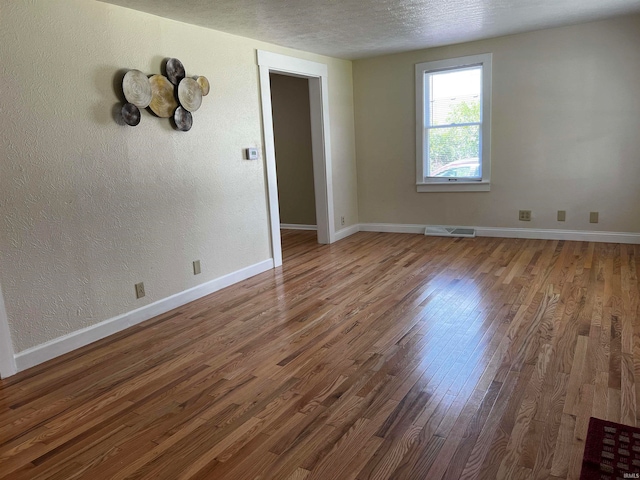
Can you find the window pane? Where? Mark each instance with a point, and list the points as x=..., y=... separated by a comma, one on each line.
x=454, y=152
x=454, y=96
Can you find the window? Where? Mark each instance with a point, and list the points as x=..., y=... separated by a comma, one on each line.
x=453, y=132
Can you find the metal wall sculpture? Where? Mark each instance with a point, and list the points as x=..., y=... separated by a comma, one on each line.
x=172, y=96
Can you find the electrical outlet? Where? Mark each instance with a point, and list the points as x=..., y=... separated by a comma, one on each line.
x=562, y=215
x=593, y=217
x=139, y=290
x=196, y=267
x=342, y=221
x=524, y=215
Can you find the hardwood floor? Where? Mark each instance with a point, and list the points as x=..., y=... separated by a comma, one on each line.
x=381, y=356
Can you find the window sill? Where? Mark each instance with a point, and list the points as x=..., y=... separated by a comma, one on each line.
x=454, y=187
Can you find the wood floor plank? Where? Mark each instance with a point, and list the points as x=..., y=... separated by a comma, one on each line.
x=382, y=356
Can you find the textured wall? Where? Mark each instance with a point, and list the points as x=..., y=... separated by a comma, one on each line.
x=565, y=132
x=89, y=207
x=294, y=156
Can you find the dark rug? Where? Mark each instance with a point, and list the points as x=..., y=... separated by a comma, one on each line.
x=612, y=451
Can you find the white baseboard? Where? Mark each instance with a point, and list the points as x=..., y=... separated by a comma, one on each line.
x=41, y=353
x=345, y=232
x=391, y=228
x=532, y=233
x=576, y=235
x=295, y=226
x=339, y=235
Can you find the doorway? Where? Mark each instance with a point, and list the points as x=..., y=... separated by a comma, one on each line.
x=294, y=153
x=316, y=75
x=7, y=359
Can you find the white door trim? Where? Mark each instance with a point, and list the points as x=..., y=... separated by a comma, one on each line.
x=317, y=73
x=7, y=357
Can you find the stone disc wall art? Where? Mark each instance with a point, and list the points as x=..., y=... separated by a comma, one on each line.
x=163, y=102
x=204, y=85
x=175, y=70
x=130, y=114
x=183, y=119
x=137, y=88
x=172, y=96
x=190, y=94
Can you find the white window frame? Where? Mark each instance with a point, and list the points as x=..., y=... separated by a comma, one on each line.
x=426, y=184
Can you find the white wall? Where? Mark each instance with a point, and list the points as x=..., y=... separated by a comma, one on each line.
x=565, y=132
x=90, y=207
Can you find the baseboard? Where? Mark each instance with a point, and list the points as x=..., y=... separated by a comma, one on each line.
x=47, y=351
x=550, y=234
x=345, y=232
x=391, y=228
x=295, y=226
x=530, y=233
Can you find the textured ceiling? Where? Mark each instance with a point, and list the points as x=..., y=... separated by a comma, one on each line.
x=363, y=28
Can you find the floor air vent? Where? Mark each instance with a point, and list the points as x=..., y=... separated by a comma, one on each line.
x=438, y=231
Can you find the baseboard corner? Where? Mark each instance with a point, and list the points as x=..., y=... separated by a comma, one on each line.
x=346, y=232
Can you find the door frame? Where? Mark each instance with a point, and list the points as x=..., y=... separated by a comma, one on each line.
x=7, y=357
x=317, y=73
